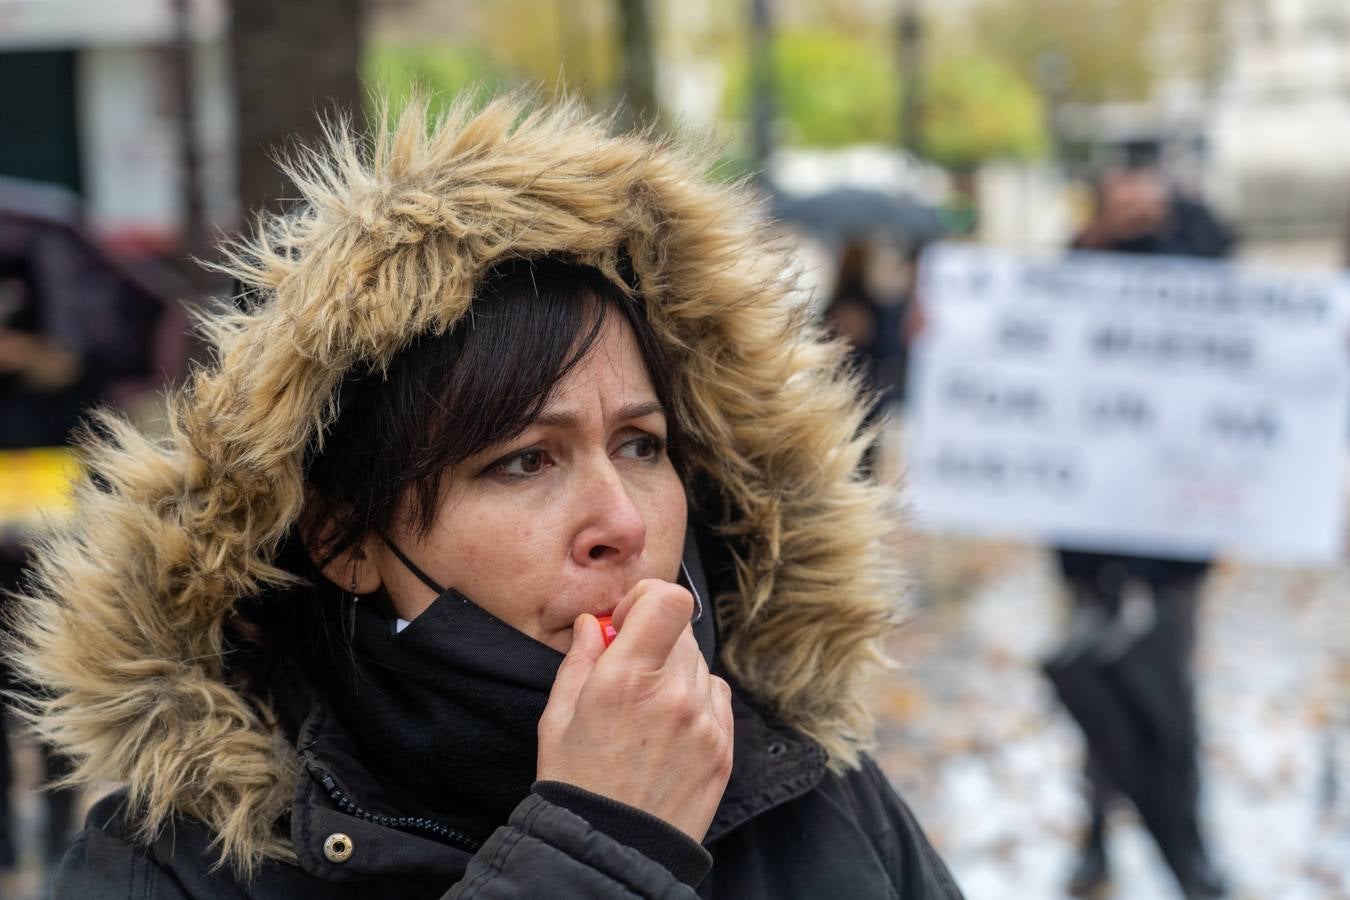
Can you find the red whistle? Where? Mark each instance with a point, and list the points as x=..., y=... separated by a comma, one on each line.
x=607, y=629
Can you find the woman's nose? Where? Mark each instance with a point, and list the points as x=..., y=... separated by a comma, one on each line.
x=613, y=528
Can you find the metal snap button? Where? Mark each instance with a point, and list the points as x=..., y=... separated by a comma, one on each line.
x=338, y=848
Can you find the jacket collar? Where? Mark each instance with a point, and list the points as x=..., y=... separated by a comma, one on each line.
x=335, y=794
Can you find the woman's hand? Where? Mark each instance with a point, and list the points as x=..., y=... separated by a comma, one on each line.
x=643, y=722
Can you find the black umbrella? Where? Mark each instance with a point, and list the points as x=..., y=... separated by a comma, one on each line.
x=1135, y=708
x=840, y=213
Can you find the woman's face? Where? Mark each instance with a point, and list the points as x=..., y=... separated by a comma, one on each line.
x=561, y=520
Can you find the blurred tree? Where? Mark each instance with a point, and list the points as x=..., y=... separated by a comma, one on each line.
x=831, y=88
x=834, y=88
x=394, y=71
x=292, y=61
x=1104, y=47
x=602, y=51
x=569, y=44
x=185, y=107
x=975, y=109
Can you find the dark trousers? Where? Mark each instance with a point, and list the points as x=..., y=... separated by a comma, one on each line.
x=1101, y=585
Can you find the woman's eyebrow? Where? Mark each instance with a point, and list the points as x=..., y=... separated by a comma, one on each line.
x=565, y=419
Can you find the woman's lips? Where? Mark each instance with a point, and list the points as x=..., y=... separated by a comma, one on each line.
x=599, y=612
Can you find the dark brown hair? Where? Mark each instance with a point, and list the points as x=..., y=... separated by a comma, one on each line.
x=450, y=396
x=443, y=399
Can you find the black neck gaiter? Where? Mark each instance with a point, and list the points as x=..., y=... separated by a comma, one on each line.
x=445, y=713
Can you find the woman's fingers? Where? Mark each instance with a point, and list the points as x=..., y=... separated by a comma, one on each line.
x=650, y=622
x=652, y=726
x=587, y=645
x=625, y=606
x=687, y=650
x=684, y=656
x=721, y=703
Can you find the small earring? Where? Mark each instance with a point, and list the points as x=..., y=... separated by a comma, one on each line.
x=351, y=588
x=698, y=601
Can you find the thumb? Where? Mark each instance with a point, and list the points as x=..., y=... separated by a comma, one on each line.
x=587, y=645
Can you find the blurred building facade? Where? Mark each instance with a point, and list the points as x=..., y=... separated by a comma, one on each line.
x=1262, y=127
x=93, y=99
x=1280, y=123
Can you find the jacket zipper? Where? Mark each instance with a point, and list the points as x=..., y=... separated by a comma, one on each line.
x=401, y=823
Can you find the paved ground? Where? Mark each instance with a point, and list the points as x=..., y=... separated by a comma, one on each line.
x=974, y=739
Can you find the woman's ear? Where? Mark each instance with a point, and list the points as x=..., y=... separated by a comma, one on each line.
x=353, y=569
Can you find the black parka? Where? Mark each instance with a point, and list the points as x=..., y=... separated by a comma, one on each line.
x=127, y=625
x=786, y=828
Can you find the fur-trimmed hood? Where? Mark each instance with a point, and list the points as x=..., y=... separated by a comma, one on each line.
x=123, y=627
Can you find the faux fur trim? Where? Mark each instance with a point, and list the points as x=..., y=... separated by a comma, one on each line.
x=123, y=625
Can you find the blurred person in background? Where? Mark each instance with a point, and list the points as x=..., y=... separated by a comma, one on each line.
x=852, y=312
x=910, y=319
x=76, y=328
x=871, y=311
x=338, y=633
x=854, y=315
x=1136, y=212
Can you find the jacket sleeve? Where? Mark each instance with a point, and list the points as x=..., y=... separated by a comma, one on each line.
x=916, y=869
x=545, y=850
x=99, y=866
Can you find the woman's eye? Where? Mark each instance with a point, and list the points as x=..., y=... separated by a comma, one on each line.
x=645, y=447
x=527, y=462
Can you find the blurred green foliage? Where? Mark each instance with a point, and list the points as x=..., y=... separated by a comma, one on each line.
x=834, y=86
x=555, y=45
x=975, y=109
x=1096, y=50
x=834, y=89
x=443, y=70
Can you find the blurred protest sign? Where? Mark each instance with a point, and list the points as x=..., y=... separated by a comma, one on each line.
x=35, y=488
x=1155, y=405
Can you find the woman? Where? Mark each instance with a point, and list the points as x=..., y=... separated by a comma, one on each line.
x=338, y=632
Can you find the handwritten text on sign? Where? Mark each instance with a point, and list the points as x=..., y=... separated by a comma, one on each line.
x=1140, y=404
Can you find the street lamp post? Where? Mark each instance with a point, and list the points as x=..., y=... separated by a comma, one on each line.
x=1052, y=75
x=761, y=81
x=639, y=66
x=911, y=77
